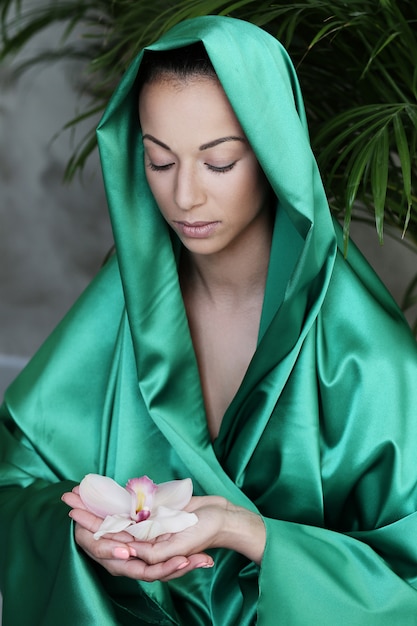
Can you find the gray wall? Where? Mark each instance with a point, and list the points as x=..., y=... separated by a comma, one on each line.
x=53, y=236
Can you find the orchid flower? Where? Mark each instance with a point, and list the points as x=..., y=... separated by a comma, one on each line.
x=143, y=509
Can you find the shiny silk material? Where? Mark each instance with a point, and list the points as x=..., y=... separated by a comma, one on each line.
x=321, y=438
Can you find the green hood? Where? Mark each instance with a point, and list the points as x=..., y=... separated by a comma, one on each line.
x=261, y=84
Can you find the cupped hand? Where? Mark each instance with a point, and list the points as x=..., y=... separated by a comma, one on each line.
x=117, y=553
x=220, y=525
x=207, y=533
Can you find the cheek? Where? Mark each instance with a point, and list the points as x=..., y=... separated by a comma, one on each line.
x=253, y=185
x=159, y=190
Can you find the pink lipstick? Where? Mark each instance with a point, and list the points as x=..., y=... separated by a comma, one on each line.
x=197, y=230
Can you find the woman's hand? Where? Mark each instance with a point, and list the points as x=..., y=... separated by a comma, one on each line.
x=220, y=524
x=116, y=552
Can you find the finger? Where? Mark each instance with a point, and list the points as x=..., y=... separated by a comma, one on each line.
x=92, y=523
x=89, y=520
x=73, y=500
x=196, y=561
x=161, y=550
x=138, y=570
x=156, y=552
x=174, y=568
x=86, y=519
x=107, y=549
x=104, y=548
x=117, y=559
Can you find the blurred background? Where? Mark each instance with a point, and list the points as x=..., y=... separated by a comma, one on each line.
x=53, y=235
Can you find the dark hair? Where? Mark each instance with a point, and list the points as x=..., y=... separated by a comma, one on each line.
x=183, y=63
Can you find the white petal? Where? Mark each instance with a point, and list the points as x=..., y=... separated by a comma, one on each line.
x=113, y=524
x=103, y=496
x=167, y=521
x=174, y=494
x=142, y=531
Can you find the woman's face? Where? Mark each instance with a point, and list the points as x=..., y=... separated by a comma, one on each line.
x=201, y=169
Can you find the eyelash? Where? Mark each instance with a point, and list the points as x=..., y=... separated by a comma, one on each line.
x=159, y=168
x=221, y=170
x=212, y=168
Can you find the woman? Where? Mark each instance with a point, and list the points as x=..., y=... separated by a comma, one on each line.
x=229, y=342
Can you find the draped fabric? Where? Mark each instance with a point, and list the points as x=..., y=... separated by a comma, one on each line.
x=320, y=439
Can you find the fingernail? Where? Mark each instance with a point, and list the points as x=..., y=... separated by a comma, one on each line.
x=205, y=565
x=121, y=553
x=133, y=552
x=183, y=565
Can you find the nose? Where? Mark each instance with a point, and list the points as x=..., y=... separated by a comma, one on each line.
x=189, y=192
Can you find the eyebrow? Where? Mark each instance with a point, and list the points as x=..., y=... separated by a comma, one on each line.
x=204, y=146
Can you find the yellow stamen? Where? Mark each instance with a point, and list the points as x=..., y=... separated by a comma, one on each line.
x=140, y=501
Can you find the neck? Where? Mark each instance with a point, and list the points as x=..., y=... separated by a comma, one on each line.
x=233, y=276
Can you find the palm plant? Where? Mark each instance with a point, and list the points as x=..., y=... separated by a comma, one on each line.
x=357, y=63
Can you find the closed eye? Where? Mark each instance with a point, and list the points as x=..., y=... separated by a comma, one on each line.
x=159, y=168
x=222, y=169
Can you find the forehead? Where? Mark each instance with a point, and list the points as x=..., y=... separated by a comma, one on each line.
x=195, y=105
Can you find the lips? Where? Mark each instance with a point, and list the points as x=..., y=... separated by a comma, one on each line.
x=197, y=230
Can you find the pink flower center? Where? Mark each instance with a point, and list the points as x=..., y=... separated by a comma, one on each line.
x=142, y=493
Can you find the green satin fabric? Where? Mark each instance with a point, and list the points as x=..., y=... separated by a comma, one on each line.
x=320, y=439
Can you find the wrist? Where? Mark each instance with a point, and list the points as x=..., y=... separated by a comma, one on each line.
x=244, y=532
